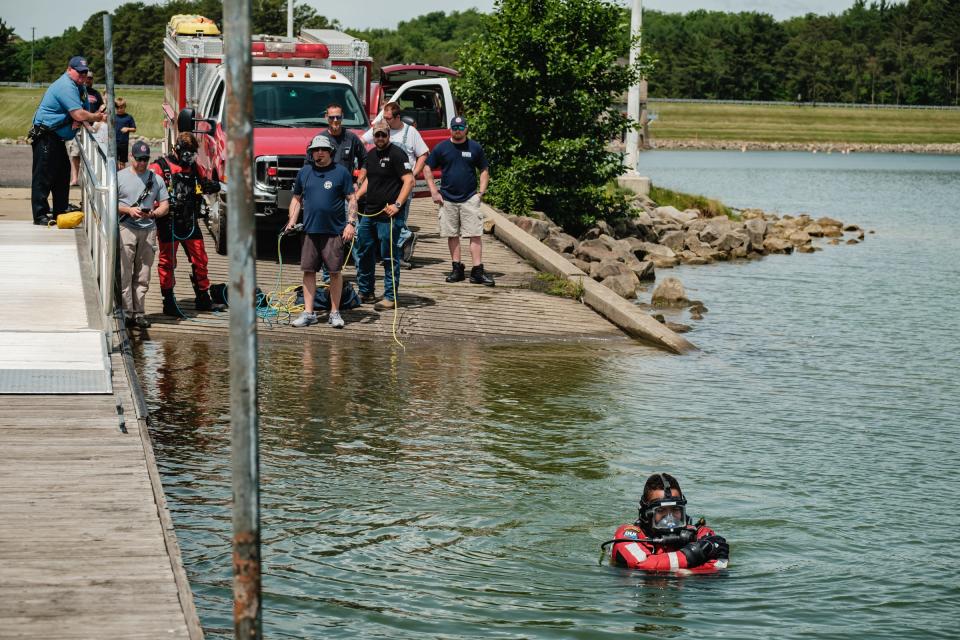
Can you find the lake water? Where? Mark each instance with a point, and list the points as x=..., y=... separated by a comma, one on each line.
x=461, y=491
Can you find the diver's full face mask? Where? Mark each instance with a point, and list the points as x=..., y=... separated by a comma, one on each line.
x=667, y=515
x=187, y=157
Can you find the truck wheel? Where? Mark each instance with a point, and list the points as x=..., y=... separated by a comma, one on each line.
x=218, y=225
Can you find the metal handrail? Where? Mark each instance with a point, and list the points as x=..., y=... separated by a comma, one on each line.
x=98, y=180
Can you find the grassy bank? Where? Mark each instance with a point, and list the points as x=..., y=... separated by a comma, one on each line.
x=17, y=107
x=668, y=197
x=770, y=123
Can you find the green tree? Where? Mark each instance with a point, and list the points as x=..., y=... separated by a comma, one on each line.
x=539, y=82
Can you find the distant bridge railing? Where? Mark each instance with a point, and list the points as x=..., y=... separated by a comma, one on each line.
x=98, y=181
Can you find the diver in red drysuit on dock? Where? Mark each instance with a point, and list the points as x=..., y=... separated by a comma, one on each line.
x=682, y=546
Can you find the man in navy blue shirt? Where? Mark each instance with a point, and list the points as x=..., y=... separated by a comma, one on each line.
x=60, y=114
x=324, y=190
x=459, y=159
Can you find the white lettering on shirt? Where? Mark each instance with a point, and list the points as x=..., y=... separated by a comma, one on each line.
x=466, y=154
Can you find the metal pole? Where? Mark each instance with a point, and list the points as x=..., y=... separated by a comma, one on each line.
x=111, y=231
x=33, y=36
x=633, y=97
x=245, y=453
x=289, y=18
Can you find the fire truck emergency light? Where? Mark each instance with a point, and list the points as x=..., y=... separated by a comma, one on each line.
x=315, y=51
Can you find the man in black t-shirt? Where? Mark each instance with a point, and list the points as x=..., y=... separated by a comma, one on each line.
x=388, y=184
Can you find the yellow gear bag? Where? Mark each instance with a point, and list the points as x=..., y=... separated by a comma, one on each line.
x=70, y=220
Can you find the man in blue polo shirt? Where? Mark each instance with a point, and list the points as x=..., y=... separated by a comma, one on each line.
x=61, y=112
x=321, y=190
x=459, y=159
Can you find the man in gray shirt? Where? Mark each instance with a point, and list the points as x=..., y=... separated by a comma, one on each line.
x=142, y=198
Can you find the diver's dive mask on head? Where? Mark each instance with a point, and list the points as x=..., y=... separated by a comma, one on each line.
x=666, y=515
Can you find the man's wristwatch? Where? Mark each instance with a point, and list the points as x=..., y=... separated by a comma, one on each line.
x=352, y=223
x=398, y=204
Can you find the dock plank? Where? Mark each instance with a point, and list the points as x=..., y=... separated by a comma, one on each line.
x=85, y=543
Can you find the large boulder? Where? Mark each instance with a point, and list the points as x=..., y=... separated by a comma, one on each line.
x=537, y=228
x=777, y=245
x=633, y=244
x=624, y=285
x=689, y=257
x=731, y=240
x=650, y=249
x=829, y=222
x=670, y=292
x=673, y=239
x=672, y=213
x=663, y=262
x=583, y=265
x=715, y=230
x=644, y=269
x=612, y=243
x=560, y=242
x=605, y=269
x=813, y=230
x=697, y=225
x=799, y=238
x=756, y=228
x=594, y=253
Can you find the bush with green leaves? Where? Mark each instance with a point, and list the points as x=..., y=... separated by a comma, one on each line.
x=540, y=84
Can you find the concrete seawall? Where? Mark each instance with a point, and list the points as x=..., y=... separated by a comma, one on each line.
x=620, y=312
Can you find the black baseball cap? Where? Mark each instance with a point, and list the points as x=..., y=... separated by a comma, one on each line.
x=140, y=150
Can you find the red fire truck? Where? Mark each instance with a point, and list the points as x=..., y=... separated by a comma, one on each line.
x=294, y=79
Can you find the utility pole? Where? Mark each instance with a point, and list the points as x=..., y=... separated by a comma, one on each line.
x=241, y=238
x=633, y=96
x=289, y=18
x=33, y=36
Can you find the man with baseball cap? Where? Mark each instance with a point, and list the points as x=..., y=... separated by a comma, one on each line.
x=142, y=198
x=389, y=183
x=323, y=190
x=60, y=114
x=459, y=159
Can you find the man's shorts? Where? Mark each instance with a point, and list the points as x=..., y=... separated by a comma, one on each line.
x=319, y=249
x=73, y=148
x=464, y=219
x=123, y=149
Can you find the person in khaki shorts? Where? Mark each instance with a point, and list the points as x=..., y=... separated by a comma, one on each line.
x=142, y=198
x=459, y=159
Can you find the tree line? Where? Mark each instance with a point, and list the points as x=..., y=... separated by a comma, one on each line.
x=880, y=52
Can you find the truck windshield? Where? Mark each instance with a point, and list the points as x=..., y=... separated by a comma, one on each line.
x=295, y=104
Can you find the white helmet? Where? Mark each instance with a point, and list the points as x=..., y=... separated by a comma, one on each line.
x=321, y=141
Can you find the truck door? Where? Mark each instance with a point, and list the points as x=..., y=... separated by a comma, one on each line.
x=429, y=103
x=211, y=156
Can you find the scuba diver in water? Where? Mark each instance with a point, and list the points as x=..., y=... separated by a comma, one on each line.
x=663, y=539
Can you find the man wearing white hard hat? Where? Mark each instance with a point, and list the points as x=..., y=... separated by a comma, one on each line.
x=321, y=191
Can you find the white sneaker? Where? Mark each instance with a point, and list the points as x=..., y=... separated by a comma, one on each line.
x=305, y=320
x=335, y=320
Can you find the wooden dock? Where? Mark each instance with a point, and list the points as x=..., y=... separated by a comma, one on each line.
x=86, y=543
x=430, y=308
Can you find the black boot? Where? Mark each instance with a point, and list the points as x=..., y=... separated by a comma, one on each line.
x=203, y=302
x=479, y=276
x=457, y=274
x=170, y=307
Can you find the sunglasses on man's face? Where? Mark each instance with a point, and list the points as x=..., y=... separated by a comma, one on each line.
x=459, y=128
x=335, y=118
x=381, y=134
x=143, y=159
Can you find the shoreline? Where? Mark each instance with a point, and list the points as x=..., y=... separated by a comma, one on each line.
x=669, y=144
